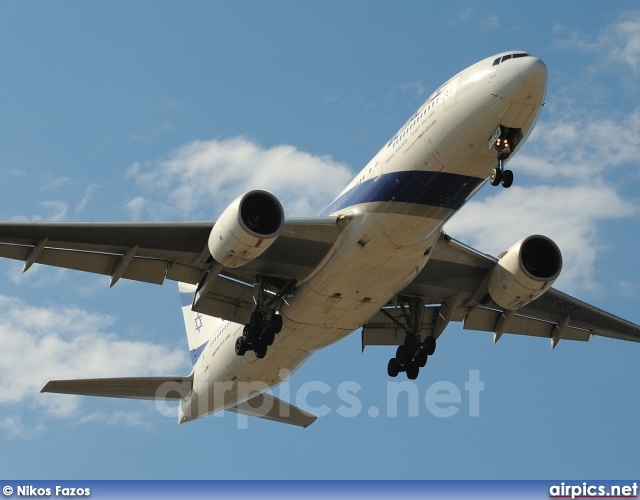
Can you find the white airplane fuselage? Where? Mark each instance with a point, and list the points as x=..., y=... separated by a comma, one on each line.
x=397, y=206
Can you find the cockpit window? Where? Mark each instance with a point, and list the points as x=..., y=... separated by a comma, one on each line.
x=509, y=56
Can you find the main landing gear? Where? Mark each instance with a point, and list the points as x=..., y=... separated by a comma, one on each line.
x=258, y=334
x=263, y=325
x=412, y=354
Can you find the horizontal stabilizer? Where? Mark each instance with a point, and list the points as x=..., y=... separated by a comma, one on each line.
x=152, y=388
x=271, y=408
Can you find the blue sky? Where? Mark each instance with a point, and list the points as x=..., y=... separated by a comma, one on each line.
x=169, y=110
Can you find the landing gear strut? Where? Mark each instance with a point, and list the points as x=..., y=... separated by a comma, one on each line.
x=413, y=353
x=504, y=139
x=263, y=325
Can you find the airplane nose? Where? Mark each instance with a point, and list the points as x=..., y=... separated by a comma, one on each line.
x=532, y=71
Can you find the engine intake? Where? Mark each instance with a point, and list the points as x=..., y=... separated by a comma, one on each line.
x=524, y=272
x=246, y=228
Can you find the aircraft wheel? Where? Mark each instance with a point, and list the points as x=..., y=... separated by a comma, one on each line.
x=393, y=368
x=256, y=321
x=400, y=354
x=507, y=178
x=276, y=323
x=412, y=370
x=430, y=345
x=421, y=358
x=260, y=350
x=246, y=334
x=269, y=336
x=410, y=343
x=496, y=176
x=241, y=346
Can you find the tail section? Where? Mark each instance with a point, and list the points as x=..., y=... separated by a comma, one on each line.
x=200, y=327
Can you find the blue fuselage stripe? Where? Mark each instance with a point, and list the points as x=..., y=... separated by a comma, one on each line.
x=437, y=189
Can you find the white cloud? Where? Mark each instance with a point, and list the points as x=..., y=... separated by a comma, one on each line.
x=86, y=198
x=38, y=344
x=118, y=418
x=617, y=43
x=623, y=40
x=568, y=215
x=578, y=146
x=201, y=177
x=15, y=427
x=579, y=161
x=58, y=209
x=469, y=15
x=55, y=183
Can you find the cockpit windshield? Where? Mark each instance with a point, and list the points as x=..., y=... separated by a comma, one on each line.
x=509, y=56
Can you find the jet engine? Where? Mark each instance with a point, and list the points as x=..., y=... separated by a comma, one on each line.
x=246, y=228
x=524, y=272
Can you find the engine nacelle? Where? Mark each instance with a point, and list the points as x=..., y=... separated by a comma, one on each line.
x=524, y=272
x=246, y=228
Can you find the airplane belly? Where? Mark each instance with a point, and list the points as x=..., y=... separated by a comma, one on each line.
x=366, y=270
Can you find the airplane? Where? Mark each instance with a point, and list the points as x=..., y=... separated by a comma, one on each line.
x=261, y=293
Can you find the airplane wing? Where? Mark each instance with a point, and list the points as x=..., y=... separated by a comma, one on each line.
x=155, y=251
x=453, y=286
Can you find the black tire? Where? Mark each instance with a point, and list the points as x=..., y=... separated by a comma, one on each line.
x=246, y=334
x=256, y=322
x=400, y=354
x=241, y=346
x=410, y=343
x=507, y=178
x=430, y=345
x=421, y=358
x=412, y=370
x=496, y=177
x=276, y=323
x=260, y=350
x=269, y=336
x=393, y=368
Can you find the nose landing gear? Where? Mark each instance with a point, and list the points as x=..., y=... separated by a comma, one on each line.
x=504, y=140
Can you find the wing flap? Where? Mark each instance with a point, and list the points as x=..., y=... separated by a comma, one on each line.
x=271, y=408
x=228, y=299
x=554, y=304
x=139, y=269
x=173, y=250
x=150, y=388
x=485, y=320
